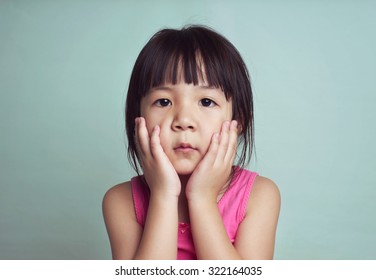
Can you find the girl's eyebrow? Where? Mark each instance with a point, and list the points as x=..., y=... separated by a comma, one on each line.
x=207, y=87
x=159, y=88
x=167, y=88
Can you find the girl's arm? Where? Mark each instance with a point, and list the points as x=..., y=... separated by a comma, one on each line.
x=255, y=238
x=256, y=234
x=158, y=239
x=122, y=227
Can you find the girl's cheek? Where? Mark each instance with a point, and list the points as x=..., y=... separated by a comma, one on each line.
x=162, y=135
x=150, y=125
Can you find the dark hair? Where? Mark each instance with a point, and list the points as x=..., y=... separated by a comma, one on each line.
x=201, y=54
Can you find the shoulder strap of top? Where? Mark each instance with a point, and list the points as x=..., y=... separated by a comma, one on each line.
x=140, y=193
x=248, y=180
x=233, y=203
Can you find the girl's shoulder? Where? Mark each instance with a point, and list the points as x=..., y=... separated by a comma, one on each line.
x=260, y=192
x=119, y=192
x=265, y=196
x=265, y=186
x=118, y=201
x=258, y=185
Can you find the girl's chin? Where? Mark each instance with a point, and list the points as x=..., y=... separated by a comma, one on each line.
x=184, y=169
x=184, y=172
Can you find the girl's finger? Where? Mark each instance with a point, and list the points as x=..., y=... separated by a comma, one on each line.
x=142, y=136
x=233, y=142
x=155, y=142
x=211, y=154
x=223, y=141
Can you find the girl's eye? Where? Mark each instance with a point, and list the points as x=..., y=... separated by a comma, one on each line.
x=206, y=102
x=162, y=102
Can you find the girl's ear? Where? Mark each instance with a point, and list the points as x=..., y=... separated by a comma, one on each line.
x=240, y=127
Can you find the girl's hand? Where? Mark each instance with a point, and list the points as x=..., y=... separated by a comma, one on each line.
x=158, y=170
x=213, y=172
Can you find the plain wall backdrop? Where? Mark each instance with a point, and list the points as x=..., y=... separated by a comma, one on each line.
x=64, y=71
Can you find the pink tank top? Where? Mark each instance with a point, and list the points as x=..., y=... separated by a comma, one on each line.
x=232, y=207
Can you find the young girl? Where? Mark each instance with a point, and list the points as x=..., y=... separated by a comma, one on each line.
x=189, y=106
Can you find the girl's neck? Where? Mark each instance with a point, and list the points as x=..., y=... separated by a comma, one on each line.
x=183, y=210
x=183, y=181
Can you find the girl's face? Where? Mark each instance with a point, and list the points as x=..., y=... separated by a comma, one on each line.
x=188, y=116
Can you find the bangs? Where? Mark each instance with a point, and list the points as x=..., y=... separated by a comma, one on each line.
x=187, y=57
x=179, y=67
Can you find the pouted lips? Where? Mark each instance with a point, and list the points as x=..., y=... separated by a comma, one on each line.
x=185, y=148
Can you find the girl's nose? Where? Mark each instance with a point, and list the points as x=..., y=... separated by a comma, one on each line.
x=184, y=120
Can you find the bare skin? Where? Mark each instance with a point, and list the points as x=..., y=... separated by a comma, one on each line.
x=187, y=145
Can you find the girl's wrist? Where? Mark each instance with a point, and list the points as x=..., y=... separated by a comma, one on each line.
x=200, y=199
x=164, y=195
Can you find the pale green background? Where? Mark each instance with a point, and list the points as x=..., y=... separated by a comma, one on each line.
x=64, y=70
